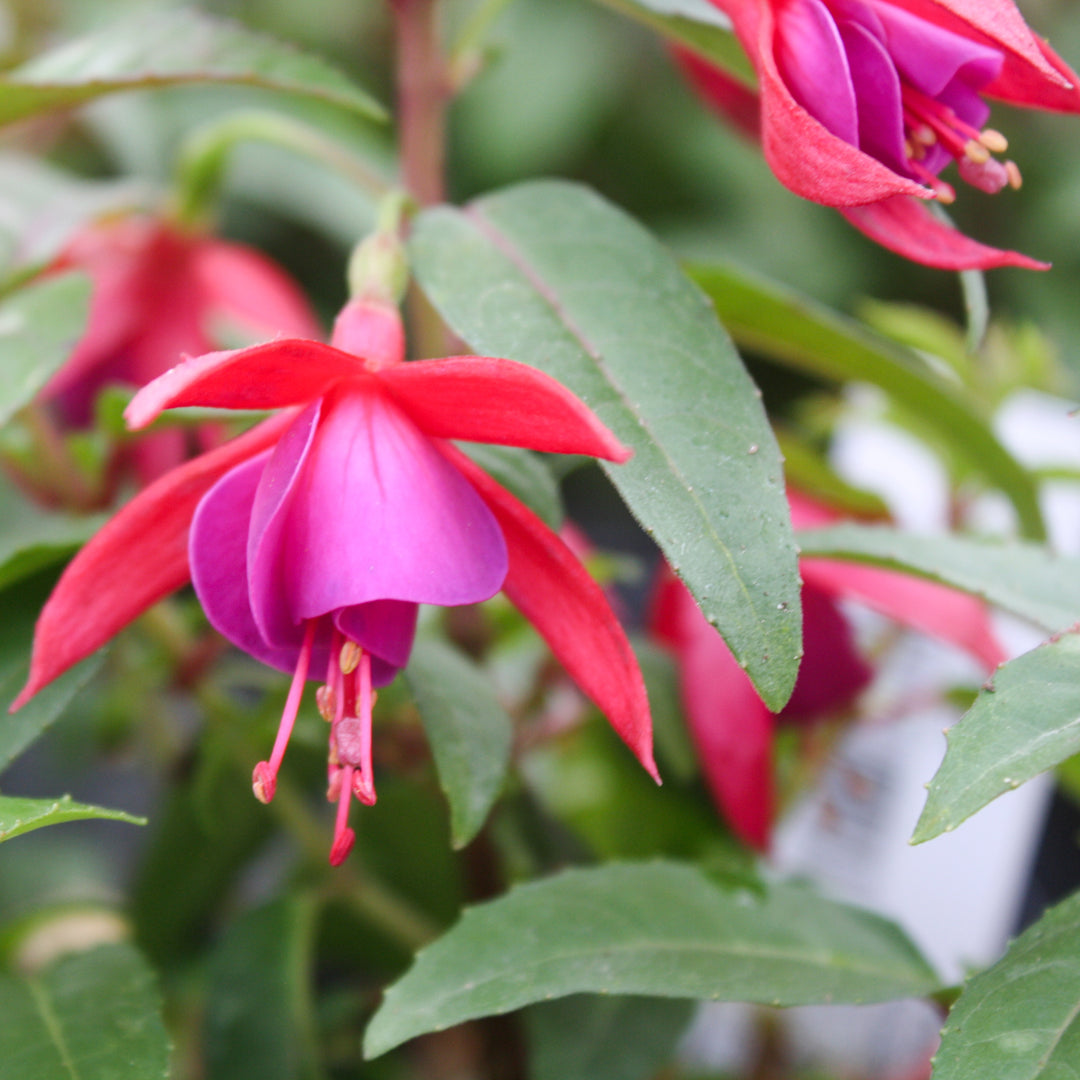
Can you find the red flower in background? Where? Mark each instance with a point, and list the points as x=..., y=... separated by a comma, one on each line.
x=731, y=726
x=160, y=294
x=312, y=539
x=862, y=103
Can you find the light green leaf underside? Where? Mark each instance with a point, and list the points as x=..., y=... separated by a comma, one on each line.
x=39, y=326
x=94, y=1015
x=1025, y=721
x=165, y=48
x=469, y=731
x=662, y=929
x=1020, y=1020
x=550, y=274
x=18, y=816
x=1024, y=579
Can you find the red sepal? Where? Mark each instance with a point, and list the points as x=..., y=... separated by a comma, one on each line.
x=291, y=371
x=486, y=399
x=907, y=227
x=555, y=593
x=730, y=725
x=136, y=559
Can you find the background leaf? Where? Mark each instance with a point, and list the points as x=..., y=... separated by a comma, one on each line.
x=651, y=928
x=259, y=1026
x=95, y=1015
x=163, y=48
x=469, y=731
x=550, y=274
x=1020, y=1020
x=1024, y=579
x=18, y=816
x=1026, y=720
x=795, y=331
x=39, y=326
x=697, y=25
x=584, y=1037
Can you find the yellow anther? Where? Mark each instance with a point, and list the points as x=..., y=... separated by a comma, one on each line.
x=924, y=134
x=324, y=699
x=1013, y=172
x=976, y=152
x=994, y=141
x=350, y=657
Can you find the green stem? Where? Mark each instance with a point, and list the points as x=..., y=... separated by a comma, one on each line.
x=465, y=56
x=204, y=157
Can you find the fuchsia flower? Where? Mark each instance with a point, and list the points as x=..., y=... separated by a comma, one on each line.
x=312, y=539
x=864, y=102
x=731, y=726
x=160, y=294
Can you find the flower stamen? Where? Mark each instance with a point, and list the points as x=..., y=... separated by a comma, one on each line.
x=264, y=776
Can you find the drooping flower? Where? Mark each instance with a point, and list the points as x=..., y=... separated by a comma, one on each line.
x=312, y=539
x=731, y=726
x=160, y=294
x=862, y=103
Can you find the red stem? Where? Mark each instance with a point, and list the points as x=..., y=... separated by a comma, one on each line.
x=423, y=92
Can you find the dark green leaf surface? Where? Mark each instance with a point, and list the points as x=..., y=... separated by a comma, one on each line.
x=795, y=331
x=258, y=1021
x=1020, y=1020
x=18, y=816
x=39, y=326
x=604, y=1038
x=661, y=929
x=469, y=731
x=94, y=1015
x=164, y=48
x=1026, y=720
x=1024, y=579
x=550, y=274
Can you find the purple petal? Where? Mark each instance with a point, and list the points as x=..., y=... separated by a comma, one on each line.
x=380, y=514
x=217, y=550
x=277, y=621
x=877, y=90
x=930, y=57
x=385, y=628
x=811, y=60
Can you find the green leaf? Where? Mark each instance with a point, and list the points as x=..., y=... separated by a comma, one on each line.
x=39, y=326
x=524, y=475
x=20, y=604
x=550, y=274
x=663, y=929
x=18, y=816
x=469, y=731
x=31, y=538
x=262, y=1028
x=795, y=331
x=598, y=1038
x=1026, y=720
x=695, y=24
x=1024, y=579
x=165, y=48
x=1020, y=1019
x=94, y=1015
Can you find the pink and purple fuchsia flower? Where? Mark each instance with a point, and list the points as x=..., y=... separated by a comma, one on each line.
x=312, y=539
x=862, y=104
